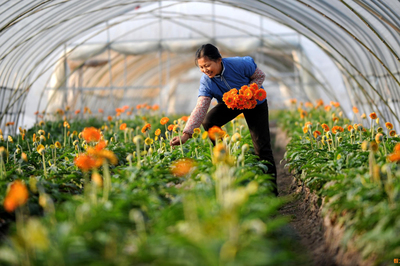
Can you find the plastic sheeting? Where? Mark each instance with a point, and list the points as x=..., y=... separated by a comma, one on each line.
x=361, y=38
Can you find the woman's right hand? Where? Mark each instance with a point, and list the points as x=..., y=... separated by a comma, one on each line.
x=175, y=140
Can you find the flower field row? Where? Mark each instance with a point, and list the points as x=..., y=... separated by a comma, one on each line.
x=115, y=193
x=354, y=169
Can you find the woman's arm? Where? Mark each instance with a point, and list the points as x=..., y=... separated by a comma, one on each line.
x=195, y=120
x=258, y=77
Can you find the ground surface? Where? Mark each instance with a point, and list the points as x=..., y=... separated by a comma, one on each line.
x=306, y=226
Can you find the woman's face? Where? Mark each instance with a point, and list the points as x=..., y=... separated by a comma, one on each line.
x=210, y=67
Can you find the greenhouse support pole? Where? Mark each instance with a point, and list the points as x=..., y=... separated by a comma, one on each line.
x=112, y=100
x=160, y=53
x=65, y=76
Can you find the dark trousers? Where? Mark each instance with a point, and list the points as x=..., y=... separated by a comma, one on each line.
x=258, y=123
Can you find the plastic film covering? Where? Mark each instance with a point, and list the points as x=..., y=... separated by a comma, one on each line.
x=58, y=53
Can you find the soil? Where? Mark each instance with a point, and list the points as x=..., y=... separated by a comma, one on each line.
x=306, y=224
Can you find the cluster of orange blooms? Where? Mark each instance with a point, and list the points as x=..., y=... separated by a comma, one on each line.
x=94, y=156
x=395, y=156
x=245, y=98
x=17, y=195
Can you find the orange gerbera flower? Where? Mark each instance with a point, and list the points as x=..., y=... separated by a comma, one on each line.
x=122, y=126
x=164, y=120
x=373, y=115
x=241, y=99
x=101, y=110
x=10, y=124
x=185, y=118
x=100, y=145
x=320, y=102
x=85, y=162
x=355, y=110
x=325, y=127
x=254, y=86
x=395, y=156
x=158, y=132
x=305, y=129
x=389, y=125
x=77, y=111
x=349, y=127
x=182, y=167
x=260, y=94
x=293, y=101
x=335, y=104
x=253, y=103
x=248, y=94
x=248, y=105
x=308, y=105
x=91, y=134
x=155, y=107
x=109, y=118
x=230, y=102
x=216, y=132
x=171, y=127
x=303, y=114
x=146, y=127
x=327, y=108
x=16, y=196
x=392, y=133
x=316, y=133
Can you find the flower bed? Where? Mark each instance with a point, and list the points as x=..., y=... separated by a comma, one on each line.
x=353, y=170
x=92, y=192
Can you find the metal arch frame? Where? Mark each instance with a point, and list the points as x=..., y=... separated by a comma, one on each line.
x=341, y=59
x=211, y=19
x=336, y=50
x=19, y=85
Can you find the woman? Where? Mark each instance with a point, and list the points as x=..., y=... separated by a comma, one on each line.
x=220, y=76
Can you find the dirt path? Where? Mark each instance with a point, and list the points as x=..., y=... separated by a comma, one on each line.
x=305, y=223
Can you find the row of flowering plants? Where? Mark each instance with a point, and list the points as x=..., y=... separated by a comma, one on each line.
x=353, y=165
x=114, y=192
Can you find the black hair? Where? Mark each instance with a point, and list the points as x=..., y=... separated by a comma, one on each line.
x=208, y=50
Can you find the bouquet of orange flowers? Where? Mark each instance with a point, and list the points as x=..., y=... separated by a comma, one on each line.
x=245, y=98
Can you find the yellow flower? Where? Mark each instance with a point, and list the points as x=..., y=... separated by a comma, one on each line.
x=204, y=135
x=374, y=146
x=379, y=138
x=40, y=148
x=148, y=141
x=197, y=130
x=58, y=145
x=157, y=132
x=236, y=137
x=43, y=138
x=10, y=139
x=24, y=157
x=363, y=116
x=220, y=153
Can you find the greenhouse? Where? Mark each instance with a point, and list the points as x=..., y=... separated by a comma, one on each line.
x=199, y=132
